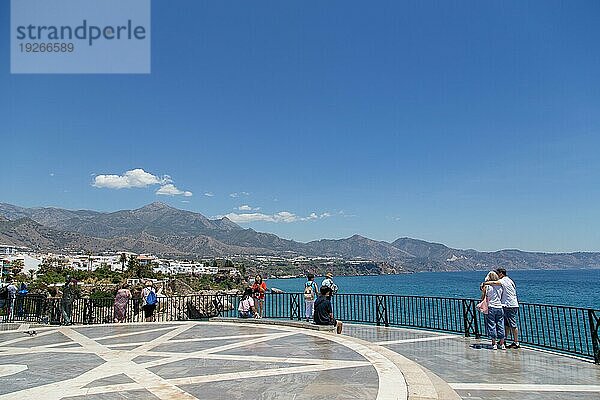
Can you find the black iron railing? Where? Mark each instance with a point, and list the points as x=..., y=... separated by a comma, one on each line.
x=571, y=330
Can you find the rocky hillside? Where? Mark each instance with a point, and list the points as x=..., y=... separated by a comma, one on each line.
x=160, y=229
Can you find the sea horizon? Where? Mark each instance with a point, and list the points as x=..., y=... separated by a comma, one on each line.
x=565, y=287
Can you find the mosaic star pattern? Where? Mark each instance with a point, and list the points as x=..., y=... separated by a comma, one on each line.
x=192, y=360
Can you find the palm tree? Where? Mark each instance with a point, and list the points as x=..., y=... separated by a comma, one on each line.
x=89, y=260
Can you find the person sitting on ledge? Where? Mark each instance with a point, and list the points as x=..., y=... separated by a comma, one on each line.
x=246, y=308
x=323, y=314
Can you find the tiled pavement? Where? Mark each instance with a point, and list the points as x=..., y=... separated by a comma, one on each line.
x=477, y=372
x=220, y=360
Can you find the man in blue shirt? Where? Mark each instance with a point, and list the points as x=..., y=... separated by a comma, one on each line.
x=323, y=311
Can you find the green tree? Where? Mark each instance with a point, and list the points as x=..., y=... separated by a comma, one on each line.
x=132, y=265
x=16, y=267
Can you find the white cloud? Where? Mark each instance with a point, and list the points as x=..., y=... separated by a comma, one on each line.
x=249, y=217
x=238, y=194
x=282, y=216
x=209, y=194
x=342, y=213
x=170, y=190
x=246, y=207
x=135, y=178
x=138, y=178
x=313, y=216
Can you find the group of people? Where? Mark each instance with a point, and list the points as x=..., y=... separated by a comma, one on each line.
x=252, y=304
x=500, y=305
x=148, y=296
x=317, y=301
x=11, y=298
x=498, y=301
x=319, y=309
x=8, y=296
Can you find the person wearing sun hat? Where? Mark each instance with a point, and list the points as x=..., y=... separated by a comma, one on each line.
x=328, y=282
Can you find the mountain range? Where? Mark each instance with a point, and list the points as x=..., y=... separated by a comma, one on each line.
x=160, y=229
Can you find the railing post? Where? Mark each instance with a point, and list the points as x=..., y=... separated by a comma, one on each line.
x=595, y=332
x=381, y=310
x=377, y=311
x=470, y=318
x=88, y=311
x=295, y=311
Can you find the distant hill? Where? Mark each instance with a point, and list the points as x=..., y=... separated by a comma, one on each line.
x=163, y=230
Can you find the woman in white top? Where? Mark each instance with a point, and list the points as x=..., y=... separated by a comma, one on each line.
x=494, y=319
x=246, y=307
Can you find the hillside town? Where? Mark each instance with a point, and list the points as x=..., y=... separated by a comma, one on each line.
x=22, y=260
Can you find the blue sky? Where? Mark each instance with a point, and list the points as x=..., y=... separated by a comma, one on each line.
x=474, y=124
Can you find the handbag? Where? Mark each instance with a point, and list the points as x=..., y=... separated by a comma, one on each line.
x=483, y=306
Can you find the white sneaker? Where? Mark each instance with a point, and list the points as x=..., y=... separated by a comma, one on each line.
x=494, y=347
x=502, y=347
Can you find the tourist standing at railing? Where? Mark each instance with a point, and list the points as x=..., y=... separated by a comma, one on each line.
x=510, y=304
x=121, y=303
x=149, y=301
x=259, y=288
x=3, y=295
x=328, y=282
x=20, y=299
x=66, y=302
x=494, y=319
x=310, y=293
x=323, y=310
x=11, y=294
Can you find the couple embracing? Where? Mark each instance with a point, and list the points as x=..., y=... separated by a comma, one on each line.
x=499, y=303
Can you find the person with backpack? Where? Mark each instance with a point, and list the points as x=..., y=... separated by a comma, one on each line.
x=310, y=293
x=149, y=301
x=20, y=299
x=328, y=282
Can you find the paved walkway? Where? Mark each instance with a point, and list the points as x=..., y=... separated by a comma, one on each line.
x=221, y=360
x=475, y=371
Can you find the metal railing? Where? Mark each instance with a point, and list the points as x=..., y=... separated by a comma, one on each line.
x=570, y=330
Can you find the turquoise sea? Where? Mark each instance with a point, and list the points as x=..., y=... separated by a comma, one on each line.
x=579, y=288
